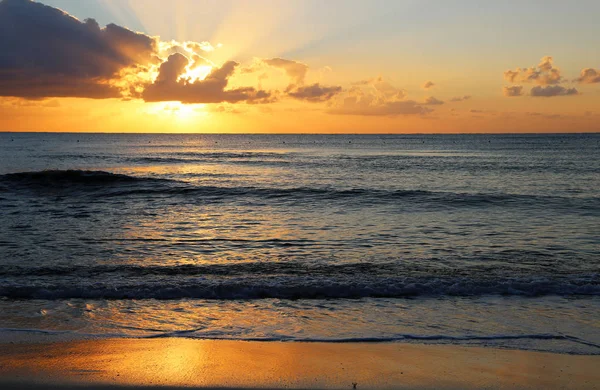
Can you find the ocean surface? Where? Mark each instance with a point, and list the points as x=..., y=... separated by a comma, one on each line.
x=489, y=240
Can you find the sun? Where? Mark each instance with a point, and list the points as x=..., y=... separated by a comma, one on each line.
x=178, y=111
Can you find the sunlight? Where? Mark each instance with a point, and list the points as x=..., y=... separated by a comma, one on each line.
x=178, y=111
x=197, y=73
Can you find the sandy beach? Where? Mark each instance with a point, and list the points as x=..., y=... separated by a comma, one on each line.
x=184, y=363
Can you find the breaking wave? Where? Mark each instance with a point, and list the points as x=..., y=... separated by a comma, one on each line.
x=292, y=287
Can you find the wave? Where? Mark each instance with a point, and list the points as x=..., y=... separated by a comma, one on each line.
x=398, y=338
x=193, y=333
x=257, y=268
x=101, y=184
x=252, y=287
x=492, y=263
x=183, y=155
x=182, y=158
x=70, y=177
x=434, y=160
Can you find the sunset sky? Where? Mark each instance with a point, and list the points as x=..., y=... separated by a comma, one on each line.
x=336, y=66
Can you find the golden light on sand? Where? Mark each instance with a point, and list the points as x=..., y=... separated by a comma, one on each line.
x=235, y=364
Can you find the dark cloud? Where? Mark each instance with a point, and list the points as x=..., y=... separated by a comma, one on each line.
x=460, y=98
x=295, y=70
x=515, y=90
x=589, y=76
x=428, y=85
x=314, y=93
x=168, y=86
x=552, y=90
x=48, y=53
x=432, y=101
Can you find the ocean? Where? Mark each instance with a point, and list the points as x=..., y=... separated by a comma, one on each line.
x=487, y=240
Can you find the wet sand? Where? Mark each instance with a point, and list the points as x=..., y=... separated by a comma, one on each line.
x=184, y=363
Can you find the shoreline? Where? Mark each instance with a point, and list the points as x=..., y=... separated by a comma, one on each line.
x=185, y=363
x=14, y=336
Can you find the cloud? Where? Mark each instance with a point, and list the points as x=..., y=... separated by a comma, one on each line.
x=371, y=81
x=295, y=70
x=377, y=97
x=544, y=74
x=552, y=90
x=169, y=87
x=432, y=101
x=515, y=90
x=380, y=88
x=428, y=85
x=544, y=116
x=511, y=75
x=460, y=98
x=297, y=73
x=353, y=106
x=226, y=109
x=199, y=47
x=589, y=76
x=48, y=53
x=20, y=102
x=314, y=93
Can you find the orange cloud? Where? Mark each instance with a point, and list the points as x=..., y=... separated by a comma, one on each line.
x=377, y=97
x=589, y=76
x=314, y=93
x=354, y=106
x=295, y=70
x=432, y=101
x=428, y=85
x=168, y=86
x=515, y=90
x=544, y=74
x=460, y=98
x=199, y=47
x=380, y=88
x=374, y=80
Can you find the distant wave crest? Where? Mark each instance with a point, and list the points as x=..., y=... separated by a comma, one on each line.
x=68, y=177
x=105, y=184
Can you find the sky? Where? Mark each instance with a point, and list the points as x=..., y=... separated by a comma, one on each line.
x=300, y=66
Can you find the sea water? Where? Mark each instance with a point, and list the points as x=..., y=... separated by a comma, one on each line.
x=489, y=240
